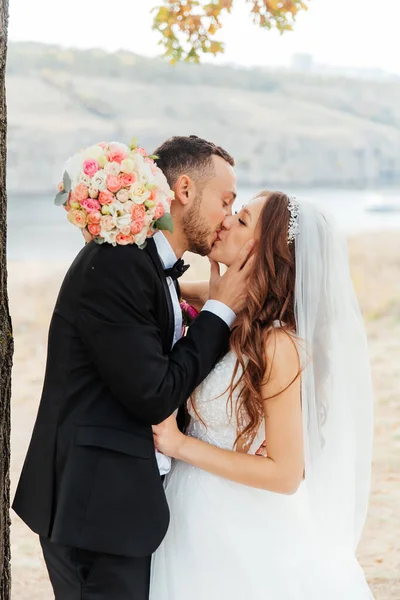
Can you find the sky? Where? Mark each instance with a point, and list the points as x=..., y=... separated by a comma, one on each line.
x=347, y=33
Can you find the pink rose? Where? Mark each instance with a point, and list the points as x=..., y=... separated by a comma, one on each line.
x=94, y=229
x=128, y=179
x=106, y=197
x=116, y=154
x=80, y=193
x=141, y=151
x=137, y=227
x=126, y=230
x=114, y=183
x=138, y=212
x=159, y=212
x=103, y=145
x=94, y=217
x=90, y=167
x=107, y=223
x=67, y=204
x=192, y=312
x=91, y=205
x=77, y=217
x=124, y=240
x=60, y=186
x=153, y=195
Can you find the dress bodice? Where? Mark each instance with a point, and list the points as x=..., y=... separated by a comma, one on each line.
x=211, y=416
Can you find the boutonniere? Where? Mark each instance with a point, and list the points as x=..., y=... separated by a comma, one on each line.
x=189, y=313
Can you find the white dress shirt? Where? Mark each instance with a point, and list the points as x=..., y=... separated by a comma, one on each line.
x=168, y=259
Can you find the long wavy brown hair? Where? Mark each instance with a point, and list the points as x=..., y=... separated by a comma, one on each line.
x=270, y=298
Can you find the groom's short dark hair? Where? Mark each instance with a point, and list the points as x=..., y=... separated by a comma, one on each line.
x=189, y=154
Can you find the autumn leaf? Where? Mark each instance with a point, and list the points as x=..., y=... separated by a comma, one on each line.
x=188, y=28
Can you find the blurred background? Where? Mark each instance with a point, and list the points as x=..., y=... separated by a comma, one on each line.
x=314, y=112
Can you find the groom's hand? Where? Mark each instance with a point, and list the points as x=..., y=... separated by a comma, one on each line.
x=231, y=288
x=88, y=236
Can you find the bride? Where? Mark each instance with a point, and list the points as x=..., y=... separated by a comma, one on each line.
x=283, y=525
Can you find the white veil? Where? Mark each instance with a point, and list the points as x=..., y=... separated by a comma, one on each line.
x=337, y=392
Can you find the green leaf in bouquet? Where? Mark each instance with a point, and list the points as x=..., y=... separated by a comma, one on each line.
x=153, y=156
x=61, y=198
x=134, y=144
x=165, y=223
x=67, y=183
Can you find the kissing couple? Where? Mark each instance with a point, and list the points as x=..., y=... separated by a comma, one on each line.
x=271, y=447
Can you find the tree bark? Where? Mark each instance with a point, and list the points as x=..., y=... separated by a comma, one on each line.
x=6, y=337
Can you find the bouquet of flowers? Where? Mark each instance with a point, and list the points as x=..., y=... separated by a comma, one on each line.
x=117, y=192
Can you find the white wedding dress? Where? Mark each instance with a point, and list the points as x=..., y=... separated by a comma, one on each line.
x=227, y=541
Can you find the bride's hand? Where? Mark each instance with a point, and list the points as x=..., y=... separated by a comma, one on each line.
x=167, y=437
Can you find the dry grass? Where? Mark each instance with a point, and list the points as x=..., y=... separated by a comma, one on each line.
x=375, y=261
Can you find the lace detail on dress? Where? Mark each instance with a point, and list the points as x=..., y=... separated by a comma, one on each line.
x=214, y=409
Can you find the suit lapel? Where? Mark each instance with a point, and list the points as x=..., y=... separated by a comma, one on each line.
x=152, y=251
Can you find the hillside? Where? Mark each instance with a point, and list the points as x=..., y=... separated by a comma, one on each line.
x=284, y=128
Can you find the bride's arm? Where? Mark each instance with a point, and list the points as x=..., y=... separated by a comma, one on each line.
x=195, y=293
x=282, y=470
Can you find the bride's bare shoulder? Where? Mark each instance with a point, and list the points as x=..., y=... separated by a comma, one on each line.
x=282, y=357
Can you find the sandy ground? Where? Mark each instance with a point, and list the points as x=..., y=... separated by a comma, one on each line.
x=375, y=260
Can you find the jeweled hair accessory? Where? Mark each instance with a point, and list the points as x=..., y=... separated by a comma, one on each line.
x=294, y=209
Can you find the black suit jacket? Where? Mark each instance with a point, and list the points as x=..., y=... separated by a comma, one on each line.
x=90, y=478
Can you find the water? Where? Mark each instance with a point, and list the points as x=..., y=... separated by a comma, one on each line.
x=39, y=231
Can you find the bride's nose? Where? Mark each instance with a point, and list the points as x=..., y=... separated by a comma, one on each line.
x=228, y=222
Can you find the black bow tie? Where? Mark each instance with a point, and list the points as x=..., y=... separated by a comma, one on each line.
x=177, y=270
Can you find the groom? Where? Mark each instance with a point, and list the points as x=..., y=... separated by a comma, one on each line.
x=91, y=486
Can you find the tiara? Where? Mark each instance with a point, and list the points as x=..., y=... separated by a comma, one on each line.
x=294, y=209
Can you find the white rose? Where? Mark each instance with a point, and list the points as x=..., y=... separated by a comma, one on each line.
x=138, y=162
x=161, y=182
x=83, y=178
x=128, y=206
x=139, y=193
x=148, y=219
x=119, y=146
x=116, y=209
x=110, y=236
x=127, y=165
x=124, y=221
x=95, y=152
x=99, y=180
x=112, y=168
x=123, y=195
x=73, y=167
x=119, y=216
x=141, y=237
x=146, y=174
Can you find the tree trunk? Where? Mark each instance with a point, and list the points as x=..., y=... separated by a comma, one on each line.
x=6, y=338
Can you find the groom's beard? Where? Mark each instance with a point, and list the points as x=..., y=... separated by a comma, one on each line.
x=197, y=230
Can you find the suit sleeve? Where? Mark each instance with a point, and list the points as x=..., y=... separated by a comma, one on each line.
x=117, y=322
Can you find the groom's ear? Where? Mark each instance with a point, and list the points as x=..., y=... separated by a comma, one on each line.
x=185, y=190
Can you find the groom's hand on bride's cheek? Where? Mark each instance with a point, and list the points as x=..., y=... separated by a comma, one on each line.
x=231, y=288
